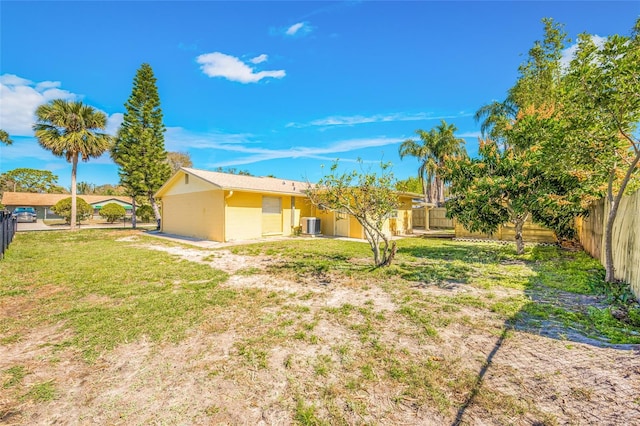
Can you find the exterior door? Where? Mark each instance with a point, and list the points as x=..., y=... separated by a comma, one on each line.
x=342, y=225
x=271, y=215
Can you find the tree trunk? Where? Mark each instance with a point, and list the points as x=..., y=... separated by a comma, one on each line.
x=425, y=190
x=439, y=191
x=156, y=209
x=154, y=206
x=610, y=274
x=391, y=255
x=429, y=192
x=376, y=254
x=614, y=203
x=519, y=241
x=74, y=191
x=133, y=213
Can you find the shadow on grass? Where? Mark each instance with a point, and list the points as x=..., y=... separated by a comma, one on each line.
x=478, y=382
x=561, y=293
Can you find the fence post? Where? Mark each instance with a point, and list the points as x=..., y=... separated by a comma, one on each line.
x=8, y=228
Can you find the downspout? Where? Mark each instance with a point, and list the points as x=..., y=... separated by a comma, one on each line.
x=293, y=213
x=224, y=219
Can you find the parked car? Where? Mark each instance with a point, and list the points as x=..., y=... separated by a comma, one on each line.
x=25, y=214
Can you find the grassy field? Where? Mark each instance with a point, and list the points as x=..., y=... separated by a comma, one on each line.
x=122, y=328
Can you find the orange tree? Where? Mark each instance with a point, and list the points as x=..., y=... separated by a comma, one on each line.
x=369, y=197
x=601, y=111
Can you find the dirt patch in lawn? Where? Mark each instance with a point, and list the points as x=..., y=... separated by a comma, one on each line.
x=323, y=347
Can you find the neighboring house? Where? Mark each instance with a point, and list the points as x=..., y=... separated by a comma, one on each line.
x=44, y=202
x=227, y=207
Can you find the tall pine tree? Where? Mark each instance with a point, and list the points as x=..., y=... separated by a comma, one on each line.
x=139, y=148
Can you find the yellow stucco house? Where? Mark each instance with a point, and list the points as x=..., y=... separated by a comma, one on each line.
x=226, y=207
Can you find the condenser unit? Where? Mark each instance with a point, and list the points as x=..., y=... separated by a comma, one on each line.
x=310, y=225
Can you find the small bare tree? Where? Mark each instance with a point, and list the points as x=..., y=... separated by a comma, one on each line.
x=368, y=197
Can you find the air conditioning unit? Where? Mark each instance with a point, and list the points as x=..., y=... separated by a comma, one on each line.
x=310, y=225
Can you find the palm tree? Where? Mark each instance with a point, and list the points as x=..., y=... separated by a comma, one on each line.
x=447, y=145
x=69, y=129
x=423, y=152
x=4, y=138
x=436, y=145
x=496, y=118
x=86, y=188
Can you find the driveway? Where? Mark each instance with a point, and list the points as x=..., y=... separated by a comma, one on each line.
x=37, y=226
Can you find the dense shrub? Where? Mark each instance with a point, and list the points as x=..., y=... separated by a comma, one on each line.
x=144, y=212
x=112, y=212
x=63, y=209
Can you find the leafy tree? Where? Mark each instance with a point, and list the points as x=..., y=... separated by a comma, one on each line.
x=71, y=129
x=233, y=171
x=602, y=111
x=86, y=188
x=139, y=148
x=30, y=180
x=498, y=187
x=112, y=212
x=513, y=179
x=108, y=189
x=411, y=184
x=177, y=160
x=435, y=146
x=4, y=138
x=145, y=212
x=370, y=198
x=64, y=208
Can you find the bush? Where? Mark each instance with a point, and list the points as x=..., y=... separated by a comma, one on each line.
x=144, y=212
x=112, y=212
x=63, y=209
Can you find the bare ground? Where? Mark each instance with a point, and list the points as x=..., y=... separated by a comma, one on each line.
x=517, y=377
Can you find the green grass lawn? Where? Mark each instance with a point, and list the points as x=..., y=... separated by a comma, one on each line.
x=107, y=289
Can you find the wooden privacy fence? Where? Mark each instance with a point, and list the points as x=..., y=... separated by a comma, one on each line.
x=626, y=238
x=8, y=227
x=418, y=217
x=531, y=233
x=438, y=218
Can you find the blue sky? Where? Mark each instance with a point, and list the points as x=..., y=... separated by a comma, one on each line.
x=276, y=88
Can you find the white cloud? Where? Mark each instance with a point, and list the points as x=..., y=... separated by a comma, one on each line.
x=570, y=52
x=26, y=148
x=259, y=59
x=218, y=64
x=20, y=98
x=179, y=139
x=249, y=149
x=299, y=29
x=13, y=80
x=294, y=28
x=113, y=123
x=377, y=118
x=262, y=154
x=469, y=135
